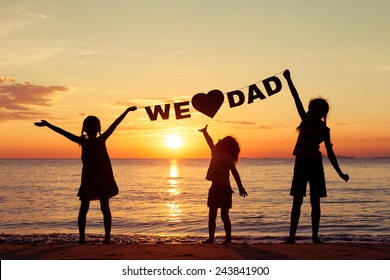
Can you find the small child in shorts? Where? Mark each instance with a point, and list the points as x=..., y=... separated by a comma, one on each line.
x=224, y=158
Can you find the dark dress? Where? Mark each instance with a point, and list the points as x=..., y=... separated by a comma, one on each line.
x=220, y=192
x=97, y=178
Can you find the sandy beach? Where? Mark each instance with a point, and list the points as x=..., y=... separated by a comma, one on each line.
x=344, y=251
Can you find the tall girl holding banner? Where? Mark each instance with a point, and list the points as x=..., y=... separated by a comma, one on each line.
x=308, y=160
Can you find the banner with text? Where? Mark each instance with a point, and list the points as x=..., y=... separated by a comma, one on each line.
x=210, y=103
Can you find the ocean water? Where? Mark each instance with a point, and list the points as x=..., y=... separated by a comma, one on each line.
x=164, y=201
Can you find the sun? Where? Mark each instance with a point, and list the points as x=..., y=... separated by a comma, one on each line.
x=173, y=141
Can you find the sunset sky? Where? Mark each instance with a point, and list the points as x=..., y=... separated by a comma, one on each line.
x=64, y=60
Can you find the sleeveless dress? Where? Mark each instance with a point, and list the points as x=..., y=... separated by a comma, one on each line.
x=220, y=192
x=97, y=178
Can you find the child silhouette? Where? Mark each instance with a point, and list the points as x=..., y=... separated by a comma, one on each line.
x=97, y=179
x=308, y=160
x=224, y=158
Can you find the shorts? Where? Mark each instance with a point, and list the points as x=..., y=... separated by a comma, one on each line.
x=308, y=170
x=220, y=196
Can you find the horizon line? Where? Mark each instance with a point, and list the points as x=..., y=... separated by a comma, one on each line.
x=292, y=157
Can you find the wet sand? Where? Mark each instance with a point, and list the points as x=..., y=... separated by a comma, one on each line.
x=342, y=251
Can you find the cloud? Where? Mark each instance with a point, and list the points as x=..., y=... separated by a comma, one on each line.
x=6, y=80
x=145, y=102
x=244, y=124
x=238, y=122
x=26, y=115
x=19, y=100
x=36, y=15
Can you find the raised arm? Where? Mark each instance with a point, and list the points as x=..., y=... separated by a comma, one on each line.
x=65, y=133
x=294, y=92
x=113, y=126
x=206, y=135
x=333, y=159
x=237, y=177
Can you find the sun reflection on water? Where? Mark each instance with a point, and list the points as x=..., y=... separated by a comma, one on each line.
x=174, y=190
x=173, y=176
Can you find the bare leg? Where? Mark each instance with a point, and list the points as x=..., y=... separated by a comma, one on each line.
x=212, y=224
x=82, y=220
x=105, y=207
x=315, y=218
x=295, y=215
x=227, y=224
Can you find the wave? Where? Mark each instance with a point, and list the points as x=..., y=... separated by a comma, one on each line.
x=68, y=238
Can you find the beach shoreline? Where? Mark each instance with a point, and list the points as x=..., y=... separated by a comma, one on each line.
x=195, y=251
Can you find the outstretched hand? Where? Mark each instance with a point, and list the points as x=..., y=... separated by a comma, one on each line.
x=42, y=123
x=287, y=73
x=203, y=130
x=243, y=192
x=345, y=177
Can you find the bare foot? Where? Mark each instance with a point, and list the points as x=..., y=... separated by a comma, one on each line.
x=290, y=241
x=208, y=241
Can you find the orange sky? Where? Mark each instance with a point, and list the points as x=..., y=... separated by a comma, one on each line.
x=113, y=55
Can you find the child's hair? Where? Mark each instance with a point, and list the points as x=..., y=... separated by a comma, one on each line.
x=229, y=145
x=91, y=122
x=319, y=107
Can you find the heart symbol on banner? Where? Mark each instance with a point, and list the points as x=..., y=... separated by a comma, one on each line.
x=209, y=103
